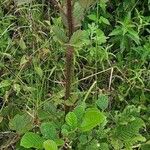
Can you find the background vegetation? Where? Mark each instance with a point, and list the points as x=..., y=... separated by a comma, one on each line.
x=110, y=99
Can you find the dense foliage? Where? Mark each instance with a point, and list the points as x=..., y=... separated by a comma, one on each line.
x=110, y=97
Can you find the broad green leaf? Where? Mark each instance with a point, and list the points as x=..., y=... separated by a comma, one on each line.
x=50, y=145
x=78, y=14
x=104, y=20
x=92, y=17
x=101, y=38
x=146, y=146
x=102, y=102
x=48, y=130
x=60, y=34
x=32, y=140
x=79, y=111
x=21, y=123
x=92, y=118
x=129, y=133
x=77, y=38
x=71, y=119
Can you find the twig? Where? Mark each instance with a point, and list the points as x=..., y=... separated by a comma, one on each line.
x=110, y=79
x=89, y=91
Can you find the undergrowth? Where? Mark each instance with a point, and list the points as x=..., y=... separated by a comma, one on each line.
x=109, y=92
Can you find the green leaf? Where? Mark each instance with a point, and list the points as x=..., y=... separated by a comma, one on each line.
x=32, y=140
x=22, y=44
x=92, y=17
x=134, y=36
x=78, y=14
x=50, y=145
x=117, y=31
x=39, y=71
x=103, y=146
x=16, y=88
x=101, y=38
x=59, y=142
x=79, y=111
x=86, y=3
x=21, y=123
x=91, y=119
x=60, y=34
x=102, y=102
x=48, y=130
x=146, y=146
x=77, y=38
x=5, y=83
x=71, y=119
x=103, y=4
x=24, y=60
x=129, y=133
x=104, y=20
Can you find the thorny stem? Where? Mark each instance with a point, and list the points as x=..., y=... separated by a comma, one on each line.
x=69, y=52
x=69, y=49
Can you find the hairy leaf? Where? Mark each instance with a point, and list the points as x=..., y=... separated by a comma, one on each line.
x=32, y=140
x=91, y=119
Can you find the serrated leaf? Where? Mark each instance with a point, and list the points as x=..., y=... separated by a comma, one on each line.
x=86, y=3
x=77, y=38
x=32, y=140
x=92, y=118
x=78, y=14
x=79, y=111
x=134, y=36
x=48, y=130
x=116, y=31
x=60, y=34
x=21, y=123
x=50, y=145
x=129, y=133
x=145, y=146
x=101, y=38
x=71, y=119
x=102, y=102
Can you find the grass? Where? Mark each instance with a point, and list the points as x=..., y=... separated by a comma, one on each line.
x=111, y=64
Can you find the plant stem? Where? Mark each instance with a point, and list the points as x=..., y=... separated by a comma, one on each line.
x=69, y=53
